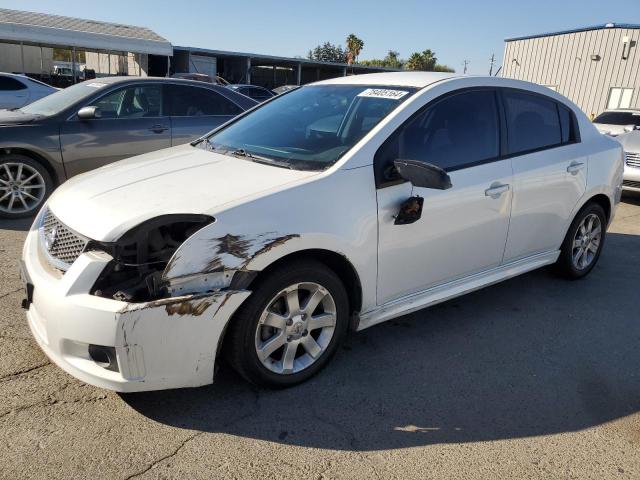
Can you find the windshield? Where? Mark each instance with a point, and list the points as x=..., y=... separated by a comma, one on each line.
x=618, y=118
x=58, y=101
x=309, y=128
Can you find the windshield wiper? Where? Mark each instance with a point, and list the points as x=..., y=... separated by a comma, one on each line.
x=241, y=152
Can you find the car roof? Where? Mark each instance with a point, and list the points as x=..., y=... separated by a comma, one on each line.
x=623, y=110
x=239, y=85
x=398, y=79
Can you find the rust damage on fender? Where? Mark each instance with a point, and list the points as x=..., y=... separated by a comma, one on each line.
x=188, y=307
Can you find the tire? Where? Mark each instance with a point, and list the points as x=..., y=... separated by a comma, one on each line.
x=571, y=264
x=266, y=316
x=19, y=200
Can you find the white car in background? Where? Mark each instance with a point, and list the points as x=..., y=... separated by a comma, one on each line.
x=337, y=206
x=617, y=122
x=16, y=91
x=631, y=144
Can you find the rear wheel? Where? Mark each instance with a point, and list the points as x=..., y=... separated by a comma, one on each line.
x=24, y=186
x=291, y=325
x=583, y=244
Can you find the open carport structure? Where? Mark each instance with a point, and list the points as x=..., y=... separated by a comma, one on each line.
x=59, y=49
x=258, y=69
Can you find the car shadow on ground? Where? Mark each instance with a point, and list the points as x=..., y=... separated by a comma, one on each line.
x=20, y=224
x=535, y=355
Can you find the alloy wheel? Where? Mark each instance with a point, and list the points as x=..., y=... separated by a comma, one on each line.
x=22, y=188
x=586, y=241
x=296, y=328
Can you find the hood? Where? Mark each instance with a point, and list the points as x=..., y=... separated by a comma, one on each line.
x=105, y=203
x=16, y=117
x=630, y=141
x=610, y=129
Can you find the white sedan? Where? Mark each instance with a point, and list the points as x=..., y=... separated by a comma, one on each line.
x=16, y=91
x=337, y=206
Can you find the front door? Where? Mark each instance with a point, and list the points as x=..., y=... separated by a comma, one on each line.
x=462, y=230
x=131, y=123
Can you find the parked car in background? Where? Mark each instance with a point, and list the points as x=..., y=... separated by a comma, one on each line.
x=617, y=122
x=259, y=94
x=631, y=143
x=19, y=90
x=284, y=88
x=97, y=122
x=339, y=205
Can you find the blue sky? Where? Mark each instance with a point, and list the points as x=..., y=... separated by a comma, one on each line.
x=456, y=30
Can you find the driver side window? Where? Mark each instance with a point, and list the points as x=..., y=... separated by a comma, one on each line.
x=459, y=131
x=131, y=102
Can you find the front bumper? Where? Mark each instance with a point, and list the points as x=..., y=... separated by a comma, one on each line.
x=631, y=178
x=168, y=343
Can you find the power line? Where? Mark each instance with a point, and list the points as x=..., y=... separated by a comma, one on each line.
x=465, y=63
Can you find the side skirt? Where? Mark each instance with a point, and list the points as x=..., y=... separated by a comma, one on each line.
x=447, y=291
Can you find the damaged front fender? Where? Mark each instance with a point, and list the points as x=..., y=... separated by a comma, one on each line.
x=230, y=254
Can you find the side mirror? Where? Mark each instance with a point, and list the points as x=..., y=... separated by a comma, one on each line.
x=422, y=174
x=87, y=113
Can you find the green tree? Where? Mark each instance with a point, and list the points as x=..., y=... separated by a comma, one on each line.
x=354, y=47
x=426, y=61
x=391, y=60
x=328, y=52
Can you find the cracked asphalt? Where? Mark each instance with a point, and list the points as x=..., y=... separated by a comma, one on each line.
x=533, y=378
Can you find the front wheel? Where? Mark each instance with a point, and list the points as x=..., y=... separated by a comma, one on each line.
x=24, y=186
x=583, y=244
x=291, y=325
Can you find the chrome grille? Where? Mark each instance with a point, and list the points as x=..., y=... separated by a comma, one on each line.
x=61, y=244
x=632, y=159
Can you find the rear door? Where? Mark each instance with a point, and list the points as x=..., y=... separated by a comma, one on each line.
x=132, y=123
x=196, y=110
x=549, y=169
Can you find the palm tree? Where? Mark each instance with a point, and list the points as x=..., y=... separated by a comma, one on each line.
x=354, y=46
x=429, y=58
x=415, y=62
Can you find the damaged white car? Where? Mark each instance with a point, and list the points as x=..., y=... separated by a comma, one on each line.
x=335, y=206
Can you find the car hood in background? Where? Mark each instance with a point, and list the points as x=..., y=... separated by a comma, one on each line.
x=16, y=117
x=613, y=130
x=630, y=141
x=105, y=203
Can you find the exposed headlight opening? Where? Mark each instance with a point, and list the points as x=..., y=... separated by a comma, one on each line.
x=141, y=255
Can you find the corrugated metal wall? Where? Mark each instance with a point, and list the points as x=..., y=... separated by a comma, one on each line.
x=564, y=61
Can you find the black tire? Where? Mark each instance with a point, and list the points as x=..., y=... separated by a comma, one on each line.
x=565, y=265
x=240, y=342
x=10, y=161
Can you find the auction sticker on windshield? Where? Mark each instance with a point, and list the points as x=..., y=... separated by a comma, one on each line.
x=383, y=93
x=96, y=85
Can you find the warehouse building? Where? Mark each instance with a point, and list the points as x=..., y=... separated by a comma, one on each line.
x=596, y=67
x=64, y=50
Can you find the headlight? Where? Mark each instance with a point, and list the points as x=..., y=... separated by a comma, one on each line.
x=141, y=255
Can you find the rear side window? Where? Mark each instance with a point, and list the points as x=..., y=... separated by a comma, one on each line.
x=186, y=101
x=533, y=122
x=10, y=84
x=457, y=132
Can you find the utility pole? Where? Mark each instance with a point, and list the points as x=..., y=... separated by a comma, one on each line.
x=492, y=62
x=466, y=62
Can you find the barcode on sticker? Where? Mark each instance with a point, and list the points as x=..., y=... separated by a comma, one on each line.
x=383, y=93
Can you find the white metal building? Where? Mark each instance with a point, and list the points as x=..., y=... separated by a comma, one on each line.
x=28, y=40
x=597, y=67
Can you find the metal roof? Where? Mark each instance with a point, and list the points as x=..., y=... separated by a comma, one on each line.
x=576, y=30
x=274, y=59
x=45, y=29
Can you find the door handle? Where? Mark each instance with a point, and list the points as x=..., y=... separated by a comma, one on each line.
x=496, y=189
x=158, y=128
x=575, y=167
